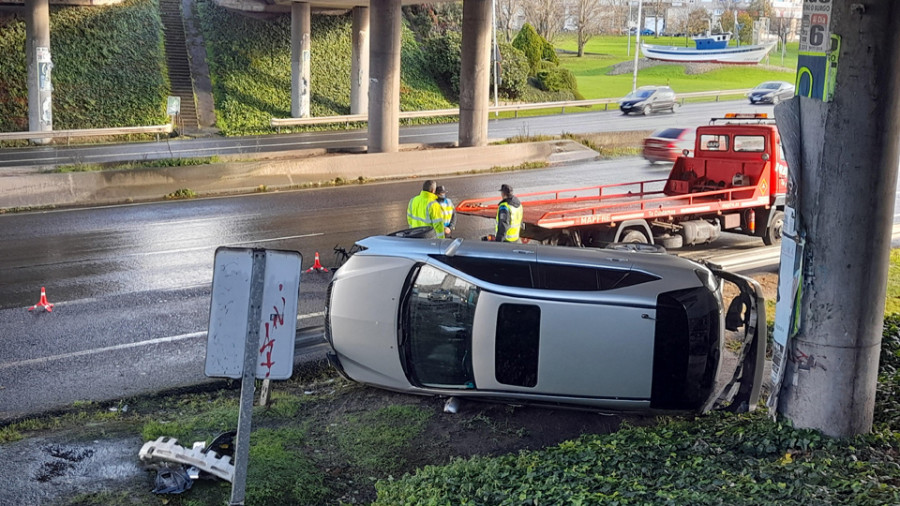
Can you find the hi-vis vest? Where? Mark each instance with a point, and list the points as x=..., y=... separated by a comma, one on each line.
x=515, y=221
x=424, y=211
x=446, y=210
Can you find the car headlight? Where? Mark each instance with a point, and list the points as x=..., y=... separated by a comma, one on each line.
x=708, y=279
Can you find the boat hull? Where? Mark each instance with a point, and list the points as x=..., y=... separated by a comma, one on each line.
x=748, y=55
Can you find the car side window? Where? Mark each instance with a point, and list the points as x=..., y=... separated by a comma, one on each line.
x=517, y=344
x=580, y=278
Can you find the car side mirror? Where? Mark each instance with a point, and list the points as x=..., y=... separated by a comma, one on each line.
x=685, y=152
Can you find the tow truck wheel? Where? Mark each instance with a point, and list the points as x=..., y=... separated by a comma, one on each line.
x=634, y=236
x=773, y=233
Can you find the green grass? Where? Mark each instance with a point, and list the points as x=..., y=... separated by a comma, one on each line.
x=594, y=81
x=376, y=440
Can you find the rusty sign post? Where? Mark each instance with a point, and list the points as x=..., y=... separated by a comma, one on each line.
x=254, y=293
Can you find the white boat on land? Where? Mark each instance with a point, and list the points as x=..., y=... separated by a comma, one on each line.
x=708, y=48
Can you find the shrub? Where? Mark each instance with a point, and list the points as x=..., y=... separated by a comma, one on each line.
x=558, y=79
x=444, y=60
x=535, y=47
x=513, y=72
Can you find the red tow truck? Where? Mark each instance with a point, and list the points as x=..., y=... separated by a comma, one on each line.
x=735, y=181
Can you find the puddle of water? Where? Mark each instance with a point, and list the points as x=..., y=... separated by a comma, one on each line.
x=42, y=470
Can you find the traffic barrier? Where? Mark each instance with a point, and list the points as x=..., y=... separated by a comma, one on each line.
x=43, y=302
x=317, y=265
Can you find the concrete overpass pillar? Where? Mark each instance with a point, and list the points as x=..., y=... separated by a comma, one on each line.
x=384, y=80
x=37, y=60
x=359, y=67
x=300, y=51
x=475, y=72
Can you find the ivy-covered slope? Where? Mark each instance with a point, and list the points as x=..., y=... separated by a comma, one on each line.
x=249, y=61
x=108, y=67
x=719, y=458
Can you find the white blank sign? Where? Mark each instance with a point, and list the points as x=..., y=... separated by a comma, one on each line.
x=229, y=313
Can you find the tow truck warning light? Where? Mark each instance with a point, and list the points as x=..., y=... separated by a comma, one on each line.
x=746, y=115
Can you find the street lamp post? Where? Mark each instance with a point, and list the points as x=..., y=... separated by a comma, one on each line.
x=637, y=45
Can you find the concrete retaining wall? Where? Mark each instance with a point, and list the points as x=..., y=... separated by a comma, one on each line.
x=20, y=189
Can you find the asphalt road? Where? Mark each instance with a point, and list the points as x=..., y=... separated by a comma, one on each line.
x=602, y=121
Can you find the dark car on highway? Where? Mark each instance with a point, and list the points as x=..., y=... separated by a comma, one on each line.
x=771, y=92
x=606, y=329
x=647, y=99
x=668, y=144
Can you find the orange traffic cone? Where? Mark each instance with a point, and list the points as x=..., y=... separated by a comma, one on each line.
x=317, y=266
x=43, y=302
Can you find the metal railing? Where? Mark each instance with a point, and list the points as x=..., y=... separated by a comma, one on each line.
x=88, y=132
x=352, y=118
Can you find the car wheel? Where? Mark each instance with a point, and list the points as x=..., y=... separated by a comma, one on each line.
x=775, y=100
x=674, y=107
x=752, y=102
x=646, y=110
x=773, y=233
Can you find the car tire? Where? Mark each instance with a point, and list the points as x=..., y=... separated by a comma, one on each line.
x=775, y=100
x=669, y=241
x=646, y=110
x=414, y=233
x=674, y=107
x=636, y=246
x=634, y=237
x=775, y=229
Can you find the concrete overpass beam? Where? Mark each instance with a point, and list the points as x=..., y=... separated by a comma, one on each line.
x=39, y=65
x=359, y=71
x=300, y=52
x=474, y=74
x=384, y=80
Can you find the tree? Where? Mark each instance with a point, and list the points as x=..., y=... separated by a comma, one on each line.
x=698, y=22
x=508, y=12
x=587, y=21
x=760, y=9
x=546, y=16
x=745, y=28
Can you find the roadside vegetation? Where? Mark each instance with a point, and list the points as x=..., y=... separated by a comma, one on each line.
x=108, y=67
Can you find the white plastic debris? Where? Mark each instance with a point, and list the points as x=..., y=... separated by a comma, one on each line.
x=166, y=449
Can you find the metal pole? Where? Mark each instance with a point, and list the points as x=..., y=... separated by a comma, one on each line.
x=628, y=27
x=496, y=54
x=248, y=379
x=637, y=45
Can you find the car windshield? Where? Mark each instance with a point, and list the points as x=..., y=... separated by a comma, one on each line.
x=639, y=94
x=769, y=86
x=439, y=314
x=668, y=133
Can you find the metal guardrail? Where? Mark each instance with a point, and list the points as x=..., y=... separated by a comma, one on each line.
x=88, y=132
x=352, y=118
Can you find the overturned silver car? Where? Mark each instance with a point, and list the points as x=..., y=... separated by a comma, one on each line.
x=603, y=329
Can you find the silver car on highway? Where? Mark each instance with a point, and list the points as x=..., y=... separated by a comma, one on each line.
x=606, y=329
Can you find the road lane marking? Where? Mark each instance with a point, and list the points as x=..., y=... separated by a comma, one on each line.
x=97, y=351
x=202, y=248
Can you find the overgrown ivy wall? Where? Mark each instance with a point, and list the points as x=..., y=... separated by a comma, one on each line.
x=108, y=67
x=250, y=64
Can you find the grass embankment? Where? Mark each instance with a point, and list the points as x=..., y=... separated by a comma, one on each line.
x=249, y=60
x=108, y=67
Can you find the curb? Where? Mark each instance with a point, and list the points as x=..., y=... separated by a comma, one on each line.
x=27, y=189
